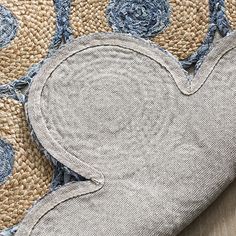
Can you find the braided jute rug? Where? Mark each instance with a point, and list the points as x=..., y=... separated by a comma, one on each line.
x=155, y=150
x=180, y=31
x=184, y=25
x=25, y=175
x=31, y=29
x=26, y=33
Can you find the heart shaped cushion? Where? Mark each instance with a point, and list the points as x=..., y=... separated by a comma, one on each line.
x=156, y=147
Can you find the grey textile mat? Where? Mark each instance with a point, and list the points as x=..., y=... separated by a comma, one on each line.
x=156, y=147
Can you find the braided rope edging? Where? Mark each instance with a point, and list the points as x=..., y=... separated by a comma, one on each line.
x=197, y=57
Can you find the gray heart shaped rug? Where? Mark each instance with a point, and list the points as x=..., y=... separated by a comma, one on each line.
x=155, y=145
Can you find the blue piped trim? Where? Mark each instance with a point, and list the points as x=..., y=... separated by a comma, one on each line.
x=197, y=57
x=62, y=174
x=221, y=18
x=13, y=89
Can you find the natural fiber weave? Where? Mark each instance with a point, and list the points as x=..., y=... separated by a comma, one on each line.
x=153, y=157
x=230, y=8
x=190, y=22
x=37, y=24
x=88, y=16
x=185, y=34
x=32, y=173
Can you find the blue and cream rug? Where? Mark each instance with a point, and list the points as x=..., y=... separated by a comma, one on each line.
x=103, y=129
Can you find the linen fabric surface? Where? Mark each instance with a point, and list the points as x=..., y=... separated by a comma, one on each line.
x=155, y=146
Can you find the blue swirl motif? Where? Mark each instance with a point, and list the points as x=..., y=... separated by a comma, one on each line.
x=8, y=26
x=143, y=18
x=6, y=160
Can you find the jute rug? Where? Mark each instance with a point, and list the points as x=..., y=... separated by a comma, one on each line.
x=230, y=7
x=27, y=30
x=182, y=27
x=31, y=32
x=26, y=33
x=156, y=150
x=226, y=16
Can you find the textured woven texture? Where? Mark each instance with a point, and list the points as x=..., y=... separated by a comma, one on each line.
x=32, y=173
x=154, y=157
x=140, y=18
x=8, y=28
x=36, y=22
x=225, y=16
x=230, y=7
x=6, y=160
x=29, y=29
x=189, y=22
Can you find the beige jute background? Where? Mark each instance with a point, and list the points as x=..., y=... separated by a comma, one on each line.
x=155, y=157
x=32, y=173
x=186, y=32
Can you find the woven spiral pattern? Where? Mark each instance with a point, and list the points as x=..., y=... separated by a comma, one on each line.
x=120, y=112
x=32, y=173
x=8, y=27
x=189, y=23
x=89, y=16
x=141, y=18
x=36, y=28
x=230, y=7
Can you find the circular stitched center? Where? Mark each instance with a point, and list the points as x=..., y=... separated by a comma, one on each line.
x=139, y=17
x=106, y=99
x=6, y=160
